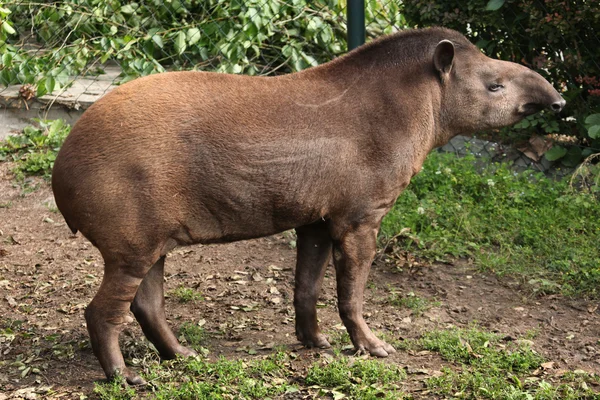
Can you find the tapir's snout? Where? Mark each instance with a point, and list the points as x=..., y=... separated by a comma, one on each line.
x=536, y=92
x=552, y=101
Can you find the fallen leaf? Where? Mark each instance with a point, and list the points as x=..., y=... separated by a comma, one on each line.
x=11, y=301
x=257, y=277
x=592, y=308
x=273, y=290
x=548, y=365
x=536, y=147
x=524, y=341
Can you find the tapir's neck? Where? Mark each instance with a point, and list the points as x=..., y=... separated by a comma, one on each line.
x=398, y=108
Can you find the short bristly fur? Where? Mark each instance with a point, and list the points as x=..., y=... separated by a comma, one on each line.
x=192, y=157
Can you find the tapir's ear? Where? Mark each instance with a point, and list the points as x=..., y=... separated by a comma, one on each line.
x=443, y=57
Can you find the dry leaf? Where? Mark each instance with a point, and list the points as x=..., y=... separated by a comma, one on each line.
x=11, y=301
x=257, y=277
x=548, y=365
x=536, y=147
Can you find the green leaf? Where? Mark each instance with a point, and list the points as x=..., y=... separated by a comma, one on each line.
x=180, y=42
x=555, y=153
x=7, y=28
x=127, y=9
x=573, y=157
x=493, y=5
x=41, y=90
x=6, y=59
x=193, y=35
x=593, y=119
x=158, y=41
x=594, y=131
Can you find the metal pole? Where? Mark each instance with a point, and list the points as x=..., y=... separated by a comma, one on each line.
x=355, y=14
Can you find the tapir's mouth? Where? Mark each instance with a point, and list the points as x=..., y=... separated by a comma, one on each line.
x=530, y=109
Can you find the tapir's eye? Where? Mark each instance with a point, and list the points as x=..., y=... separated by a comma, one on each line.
x=494, y=87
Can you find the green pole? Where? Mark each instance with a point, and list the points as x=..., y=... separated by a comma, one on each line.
x=356, y=23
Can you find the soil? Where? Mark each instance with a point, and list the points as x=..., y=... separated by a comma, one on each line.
x=48, y=276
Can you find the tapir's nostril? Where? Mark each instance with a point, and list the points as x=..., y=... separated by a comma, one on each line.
x=558, y=106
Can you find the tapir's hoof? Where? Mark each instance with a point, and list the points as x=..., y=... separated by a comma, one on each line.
x=128, y=377
x=186, y=352
x=381, y=349
x=318, y=341
x=135, y=380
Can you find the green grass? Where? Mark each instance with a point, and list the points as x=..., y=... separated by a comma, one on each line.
x=476, y=364
x=114, y=390
x=199, y=378
x=522, y=224
x=194, y=335
x=185, y=295
x=357, y=378
x=418, y=305
x=486, y=368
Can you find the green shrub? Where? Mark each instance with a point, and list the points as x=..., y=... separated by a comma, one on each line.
x=34, y=151
x=250, y=37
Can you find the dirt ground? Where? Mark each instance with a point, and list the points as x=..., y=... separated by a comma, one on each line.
x=48, y=276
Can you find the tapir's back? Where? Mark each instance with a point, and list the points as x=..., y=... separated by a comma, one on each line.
x=169, y=148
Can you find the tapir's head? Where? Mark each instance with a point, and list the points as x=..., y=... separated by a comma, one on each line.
x=478, y=92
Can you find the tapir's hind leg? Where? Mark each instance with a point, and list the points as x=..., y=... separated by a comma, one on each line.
x=314, y=253
x=109, y=311
x=149, y=309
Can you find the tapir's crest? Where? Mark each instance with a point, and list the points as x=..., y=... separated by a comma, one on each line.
x=192, y=157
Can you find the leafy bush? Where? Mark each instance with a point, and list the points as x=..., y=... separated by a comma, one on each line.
x=557, y=38
x=35, y=150
x=251, y=37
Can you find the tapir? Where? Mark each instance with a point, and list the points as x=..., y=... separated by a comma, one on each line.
x=181, y=158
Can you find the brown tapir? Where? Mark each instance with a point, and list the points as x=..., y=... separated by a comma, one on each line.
x=192, y=157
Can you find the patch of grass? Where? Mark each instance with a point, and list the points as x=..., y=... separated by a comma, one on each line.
x=522, y=224
x=185, y=295
x=339, y=338
x=34, y=150
x=471, y=383
x=194, y=335
x=482, y=349
x=357, y=378
x=417, y=304
x=114, y=390
x=224, y=379
x=490, y=369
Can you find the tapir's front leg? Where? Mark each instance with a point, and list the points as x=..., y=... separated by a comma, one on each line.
x=353, y=254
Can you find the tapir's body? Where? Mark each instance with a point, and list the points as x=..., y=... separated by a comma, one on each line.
x=191, y=157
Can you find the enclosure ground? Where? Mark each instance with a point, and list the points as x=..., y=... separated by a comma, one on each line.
x=48, y=276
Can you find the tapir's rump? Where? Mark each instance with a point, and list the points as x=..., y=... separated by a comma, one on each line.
x=193, y=157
